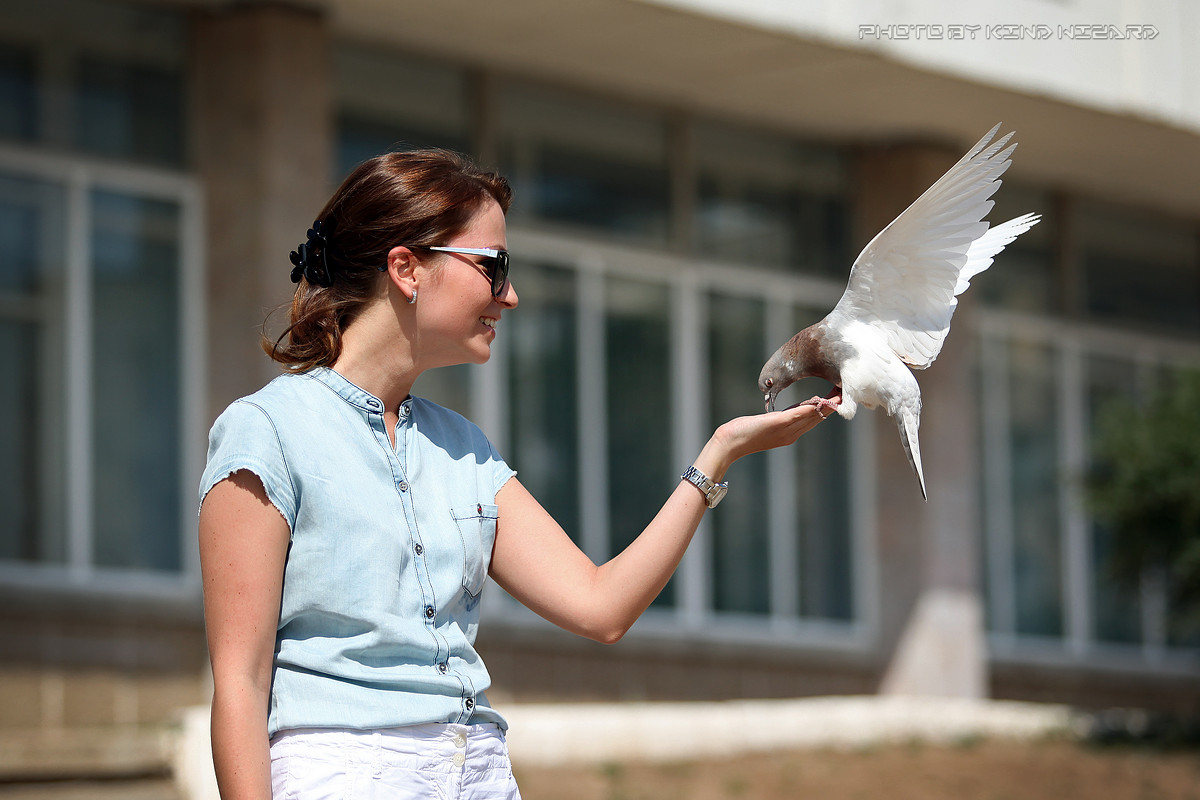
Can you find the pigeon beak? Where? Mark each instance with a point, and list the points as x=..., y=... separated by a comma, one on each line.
x=770, y=398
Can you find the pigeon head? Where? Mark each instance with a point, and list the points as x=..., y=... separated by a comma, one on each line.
x=777, y=374
x=808, y=353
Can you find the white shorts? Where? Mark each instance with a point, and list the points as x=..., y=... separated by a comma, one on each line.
x=439, y=761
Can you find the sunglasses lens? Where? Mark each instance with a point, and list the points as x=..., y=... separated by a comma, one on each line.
x=498, y=268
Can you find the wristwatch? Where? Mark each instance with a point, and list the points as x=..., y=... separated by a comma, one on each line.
x=713, y=492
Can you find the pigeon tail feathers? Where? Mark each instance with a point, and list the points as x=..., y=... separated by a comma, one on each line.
x=908, y=422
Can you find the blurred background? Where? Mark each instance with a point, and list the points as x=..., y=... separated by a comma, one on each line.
x=693, y=179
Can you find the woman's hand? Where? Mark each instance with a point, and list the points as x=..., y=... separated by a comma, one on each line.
x=752, y=434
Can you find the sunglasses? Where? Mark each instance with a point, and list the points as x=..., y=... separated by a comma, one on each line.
x=495, y=263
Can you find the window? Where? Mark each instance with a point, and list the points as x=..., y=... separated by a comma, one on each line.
x=771, y=201
x=583, y=163
x=543, y=390
x=619, y=364
x=1139, y=271
x=32, y=311
x=95, y=77
x=17, y=96
x=1044, y=382
x=388, y=102
x=1026, y=277
x=1047, y=562
x=95, y=309
x=100, y=297
x=641, y=468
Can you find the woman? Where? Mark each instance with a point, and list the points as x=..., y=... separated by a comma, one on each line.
x=347, y=528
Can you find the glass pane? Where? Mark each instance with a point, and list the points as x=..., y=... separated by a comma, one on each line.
x=32, y=526
x=741, y=545
x=1183, y=623
x=18, y=100
x=822, y=497
x=771, y=202
x=1024, y=277
x=1116, y=606
x=389, y=101
x=641, y=471
x=136, y=378
x=1037, y=561
x=360, y=139
x=585, y=163
x=1139, y=269
x=542, y=391
x=133, y=111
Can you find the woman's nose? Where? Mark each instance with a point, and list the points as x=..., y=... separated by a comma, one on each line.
x=508, y=295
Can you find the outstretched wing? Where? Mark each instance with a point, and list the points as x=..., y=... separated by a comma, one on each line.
x=904, y=283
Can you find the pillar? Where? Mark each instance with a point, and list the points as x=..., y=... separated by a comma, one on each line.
x=263, y=147
x=931, y=627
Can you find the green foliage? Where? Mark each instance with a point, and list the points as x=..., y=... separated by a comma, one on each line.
x=1145, y=488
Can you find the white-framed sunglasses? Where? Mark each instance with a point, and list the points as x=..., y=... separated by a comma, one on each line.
x=495, y=262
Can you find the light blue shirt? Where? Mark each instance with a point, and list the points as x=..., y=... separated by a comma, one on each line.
x=389, y=551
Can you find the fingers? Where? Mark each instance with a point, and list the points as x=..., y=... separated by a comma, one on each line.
x=822, y=410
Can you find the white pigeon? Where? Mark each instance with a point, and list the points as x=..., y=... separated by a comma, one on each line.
x=896, y=310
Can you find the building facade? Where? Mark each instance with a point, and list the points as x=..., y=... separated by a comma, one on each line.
x=693, y=179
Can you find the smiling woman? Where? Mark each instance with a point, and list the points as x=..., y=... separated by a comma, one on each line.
x=347, y=528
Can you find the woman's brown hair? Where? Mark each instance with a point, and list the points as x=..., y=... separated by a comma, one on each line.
x=415, y=197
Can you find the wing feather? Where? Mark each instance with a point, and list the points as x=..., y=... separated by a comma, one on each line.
x=905, y=281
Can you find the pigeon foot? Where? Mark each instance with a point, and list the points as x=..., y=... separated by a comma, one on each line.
x=825, y=405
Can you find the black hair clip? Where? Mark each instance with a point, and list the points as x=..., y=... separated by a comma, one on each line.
x=311, y=258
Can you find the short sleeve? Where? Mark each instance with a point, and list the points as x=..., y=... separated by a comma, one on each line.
x=501, y=471
x=244, y=438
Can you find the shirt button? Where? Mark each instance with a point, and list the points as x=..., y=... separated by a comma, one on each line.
x=373, y=404
x=470, y=704
x=402, y=486
x=460, y=740
x=430, y=613
x=459, y=759
x=442, y=668
x=418, y=548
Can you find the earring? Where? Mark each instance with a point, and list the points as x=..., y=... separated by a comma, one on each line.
x=412, y=300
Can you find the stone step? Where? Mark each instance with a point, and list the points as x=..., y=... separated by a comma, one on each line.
x=131, y=789
x=99, y=754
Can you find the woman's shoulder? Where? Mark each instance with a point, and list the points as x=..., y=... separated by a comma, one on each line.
x=274, y=402
x=441, y=423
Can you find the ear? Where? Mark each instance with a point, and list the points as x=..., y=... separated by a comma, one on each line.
x=402, y=270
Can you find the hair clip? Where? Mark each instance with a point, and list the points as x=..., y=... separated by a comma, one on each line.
x=311, y=258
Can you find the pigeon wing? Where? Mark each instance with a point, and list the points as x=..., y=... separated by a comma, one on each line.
x=904, y=283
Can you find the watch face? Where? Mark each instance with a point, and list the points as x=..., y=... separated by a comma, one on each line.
x=715, y=496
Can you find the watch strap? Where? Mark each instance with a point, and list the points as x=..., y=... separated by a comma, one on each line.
x=713, y=492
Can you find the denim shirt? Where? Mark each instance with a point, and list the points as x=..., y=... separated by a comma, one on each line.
x=389, y=551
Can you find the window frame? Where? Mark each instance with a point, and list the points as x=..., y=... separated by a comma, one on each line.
x=1071, y=344
x=80, y=176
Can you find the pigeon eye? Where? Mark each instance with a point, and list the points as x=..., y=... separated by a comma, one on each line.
x=768, y=383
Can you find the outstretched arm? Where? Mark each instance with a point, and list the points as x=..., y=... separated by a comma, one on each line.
x=537, y=563
x=243, y=548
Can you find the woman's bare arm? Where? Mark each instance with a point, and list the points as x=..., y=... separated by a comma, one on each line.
x=243, y=549
x=537, y=563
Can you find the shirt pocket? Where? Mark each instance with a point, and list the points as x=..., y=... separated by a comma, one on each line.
x=477, y=530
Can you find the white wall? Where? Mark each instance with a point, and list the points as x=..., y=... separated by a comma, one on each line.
x=1023, y=45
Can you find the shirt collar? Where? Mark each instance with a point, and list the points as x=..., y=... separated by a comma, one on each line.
x=354, y=394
